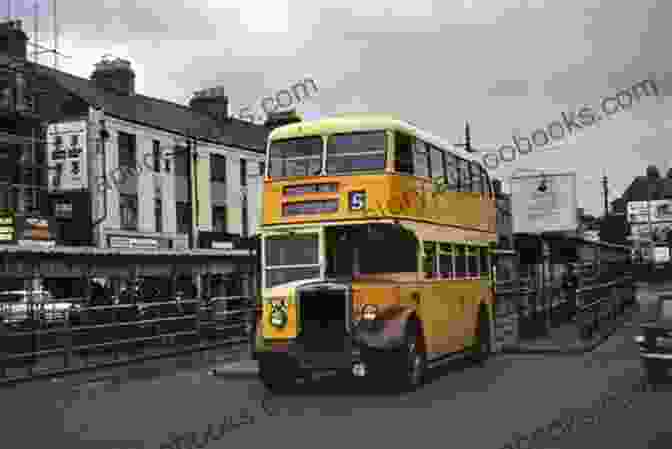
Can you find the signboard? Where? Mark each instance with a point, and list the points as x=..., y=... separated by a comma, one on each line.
x=131, y=242
x=550, y=209
x=661, y=254
x=222, y=245
x=643, y=231
x=34, y=231
x=63, y=209
x=66, y=152
x=638, y=211
x=7, y=226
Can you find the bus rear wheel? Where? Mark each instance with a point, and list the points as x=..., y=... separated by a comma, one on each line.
x=278, y=376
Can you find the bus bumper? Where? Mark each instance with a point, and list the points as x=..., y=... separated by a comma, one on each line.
x=355, y=354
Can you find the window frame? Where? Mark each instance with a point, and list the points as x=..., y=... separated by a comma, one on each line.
x=156, y=154
x=270, y=165
x=341, y=155
x=454, y=184
x=458, y=248
x=131, y=150
x=243, y=172
x=473, y=255
x=215, y=210
x=476, y=178
x=438, y=165
x=266, y=267
x=432, y=246
x=419, y=146
x=447, y=253
x=398, y=136
x=484, y=258
x=215, y=176
x=463, y=167
x=158, y=215
x=123, y=205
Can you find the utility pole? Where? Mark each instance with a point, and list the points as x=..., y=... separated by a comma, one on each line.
x=605, y=188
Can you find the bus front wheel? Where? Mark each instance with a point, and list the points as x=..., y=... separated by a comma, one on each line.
x=411, y=360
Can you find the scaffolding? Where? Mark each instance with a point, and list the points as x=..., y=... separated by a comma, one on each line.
x=22, y=138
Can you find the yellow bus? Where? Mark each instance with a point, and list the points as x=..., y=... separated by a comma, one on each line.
x=367, y=266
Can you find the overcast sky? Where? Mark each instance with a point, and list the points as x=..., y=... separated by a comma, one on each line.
x=506, y=66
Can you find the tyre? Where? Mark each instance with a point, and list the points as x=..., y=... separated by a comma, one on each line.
x=483, y=346
x=277, y=375
x=411, y=360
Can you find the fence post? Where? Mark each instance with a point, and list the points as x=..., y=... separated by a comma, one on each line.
x=4, y=344
x=67, y=353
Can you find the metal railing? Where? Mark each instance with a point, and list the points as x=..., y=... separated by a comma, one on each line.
x=594, y=306
x=90, y=337
x=600, y=304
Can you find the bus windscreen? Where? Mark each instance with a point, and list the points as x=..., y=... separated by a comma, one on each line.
x=295, y=157
x=356, y=152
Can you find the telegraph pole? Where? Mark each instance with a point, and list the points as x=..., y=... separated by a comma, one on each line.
x=605, y=187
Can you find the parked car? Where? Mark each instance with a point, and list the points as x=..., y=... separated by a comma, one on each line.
x=655, y=343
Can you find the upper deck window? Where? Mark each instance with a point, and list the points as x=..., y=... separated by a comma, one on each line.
x=421, y=159
x=356, y=152
x=295, y=157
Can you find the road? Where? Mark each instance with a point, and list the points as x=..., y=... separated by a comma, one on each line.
x=462, y=406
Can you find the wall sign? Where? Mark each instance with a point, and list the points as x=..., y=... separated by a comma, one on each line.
x=7, y=226
x=66, y=152
x=132, y=242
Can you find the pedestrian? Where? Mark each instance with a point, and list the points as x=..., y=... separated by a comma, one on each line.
x=570, y=284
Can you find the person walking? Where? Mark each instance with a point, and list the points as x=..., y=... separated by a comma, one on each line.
x=570, y=284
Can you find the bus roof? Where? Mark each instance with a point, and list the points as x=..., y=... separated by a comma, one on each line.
x=353, y=122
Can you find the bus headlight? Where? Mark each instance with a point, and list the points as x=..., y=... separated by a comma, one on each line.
x=369, y=312
x=278, y=318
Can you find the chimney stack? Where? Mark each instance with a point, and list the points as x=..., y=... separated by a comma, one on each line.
x=13, y=39
x=212, y=102
x=114, y=75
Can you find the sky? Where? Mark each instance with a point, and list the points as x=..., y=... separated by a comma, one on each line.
x=508, y=67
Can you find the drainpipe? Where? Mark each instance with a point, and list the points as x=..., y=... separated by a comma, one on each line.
x=103, y=136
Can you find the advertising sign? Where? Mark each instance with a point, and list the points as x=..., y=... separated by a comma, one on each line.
x=544, y=203
x=130, y=242
x=7, y=226
x=638, y=211
x=34, y=231
x=661, y=254
x=66, y=152
x=659, y=230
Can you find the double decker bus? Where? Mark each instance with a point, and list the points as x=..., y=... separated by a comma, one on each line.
x=367, y=266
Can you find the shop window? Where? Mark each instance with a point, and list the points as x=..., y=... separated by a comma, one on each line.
x=128, y=212
x=219, y=218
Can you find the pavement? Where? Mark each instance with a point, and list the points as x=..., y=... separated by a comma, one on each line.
x=565, y=338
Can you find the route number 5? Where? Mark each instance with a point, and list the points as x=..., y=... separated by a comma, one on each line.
x=358, y=200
